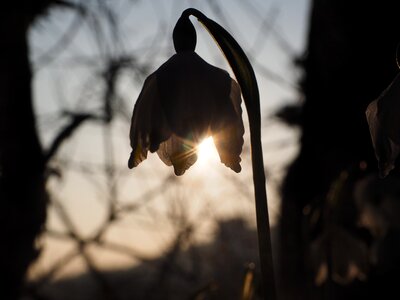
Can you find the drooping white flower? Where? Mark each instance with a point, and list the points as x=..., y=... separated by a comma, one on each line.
x=181, y=103
x=383, y=116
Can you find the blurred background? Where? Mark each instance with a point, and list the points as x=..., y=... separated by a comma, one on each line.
x=146, y=226
x=78, y=224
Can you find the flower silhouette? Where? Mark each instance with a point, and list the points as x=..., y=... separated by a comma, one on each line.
x=384, y=125
x=181, y=103
x=187, y=99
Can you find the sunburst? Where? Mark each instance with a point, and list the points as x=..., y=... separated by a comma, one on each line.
x=206, y=151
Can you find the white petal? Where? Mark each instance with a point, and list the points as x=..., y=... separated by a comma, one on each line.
x=178, y=152
x=148, y=125
x=228, y=139
x=138, y=155
x=384, y=125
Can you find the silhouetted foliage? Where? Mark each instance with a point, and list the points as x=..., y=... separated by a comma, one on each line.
x=22, y=186
x=349, y=61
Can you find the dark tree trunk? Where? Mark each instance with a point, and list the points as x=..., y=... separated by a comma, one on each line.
x=22, y=184
x=349, y=61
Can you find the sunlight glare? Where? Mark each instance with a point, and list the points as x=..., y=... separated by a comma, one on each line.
x=206, y=151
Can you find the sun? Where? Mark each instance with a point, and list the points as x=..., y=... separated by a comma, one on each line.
x=206, y=151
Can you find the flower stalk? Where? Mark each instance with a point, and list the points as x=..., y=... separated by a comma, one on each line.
x=246, y=78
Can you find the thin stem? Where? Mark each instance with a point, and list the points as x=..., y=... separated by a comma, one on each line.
x=263, y=228
x=246, y=78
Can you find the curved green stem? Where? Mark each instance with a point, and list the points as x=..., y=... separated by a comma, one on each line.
x=246, y=78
